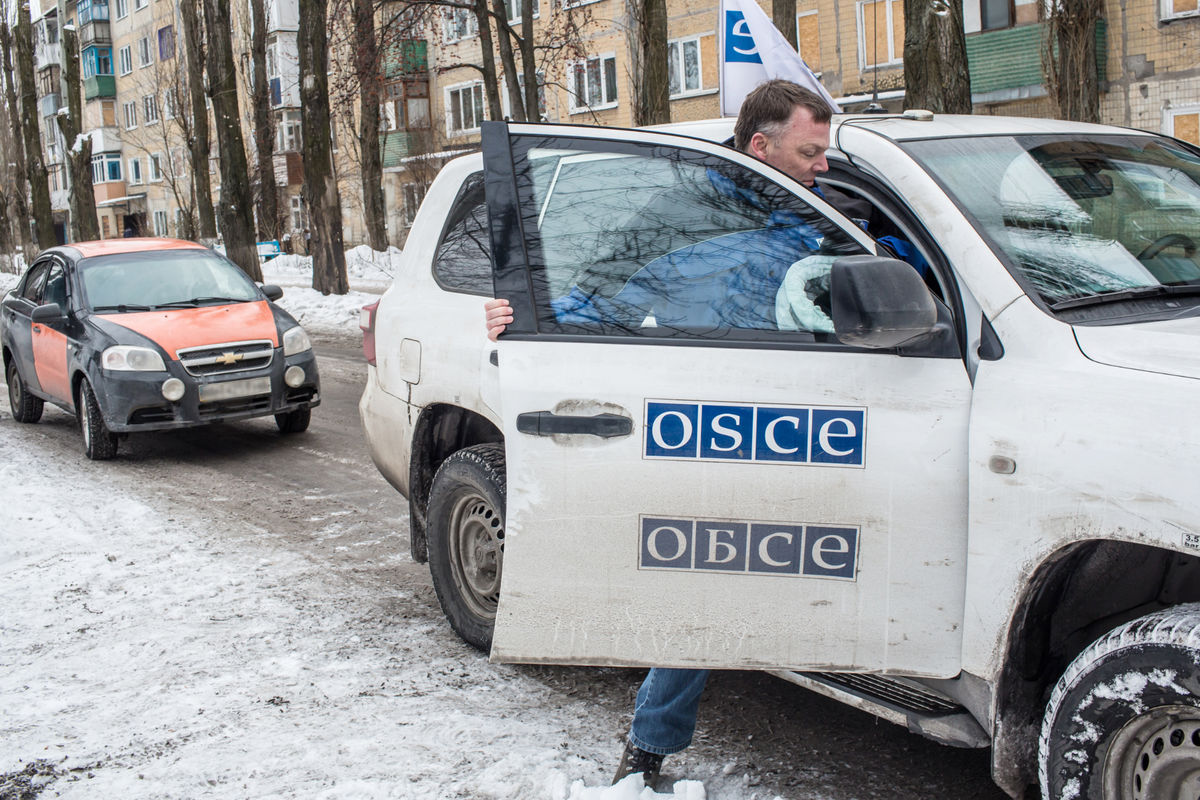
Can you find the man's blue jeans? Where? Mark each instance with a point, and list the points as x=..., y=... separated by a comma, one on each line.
x=664, y=716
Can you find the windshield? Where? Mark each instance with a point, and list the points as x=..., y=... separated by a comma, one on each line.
x=1086, y=219
x=163, y=278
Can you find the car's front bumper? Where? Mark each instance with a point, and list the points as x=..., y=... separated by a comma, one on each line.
x=133, y=401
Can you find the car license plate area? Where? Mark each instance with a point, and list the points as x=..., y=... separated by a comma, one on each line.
x=227, y=390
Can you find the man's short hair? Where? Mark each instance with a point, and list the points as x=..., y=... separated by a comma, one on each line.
x=767, y=109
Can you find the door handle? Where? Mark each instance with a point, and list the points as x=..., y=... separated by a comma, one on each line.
x=547, y=423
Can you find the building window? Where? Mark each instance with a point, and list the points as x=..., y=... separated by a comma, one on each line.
x=1176, y=9
x=179, y=162
x=506, y=104
x=387, y=116
x=156, y=173
x=125, y=60
x=130, y=111
x=458, y=24
x=108, y=112
x=91, y=11
x=995, y=14
x=287, y=132
x=593, y=83
x=297, y=205
x=106, y=167
x=464, y=109
x=880, y=33
x=135, y=171
x=166, y=43
x=808, y=39
x=513, y=7
x=160, y=224
x=122, y=9
x=138, y=5
x=145, y=54
x=683, y=66
x=150, y=107
x=96, y=61
x=170, y=102
x=414, y=193
x=1184, y=123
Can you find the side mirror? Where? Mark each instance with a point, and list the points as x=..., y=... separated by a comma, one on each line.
x=880, y=303
x=272, y=292
x=48, y=314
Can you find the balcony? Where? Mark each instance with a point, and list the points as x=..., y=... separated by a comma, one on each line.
x=95, y=32
x=99, y=86
x=1007, y=64
x=408, y=57
x=50, y=104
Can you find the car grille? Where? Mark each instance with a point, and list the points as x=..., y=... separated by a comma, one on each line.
x=224, y=407
x=222, y=359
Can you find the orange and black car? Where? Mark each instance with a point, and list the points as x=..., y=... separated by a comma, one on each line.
x=147, y=334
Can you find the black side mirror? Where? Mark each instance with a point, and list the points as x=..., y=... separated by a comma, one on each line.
x=272, y=292
x=880, y=303
x=48, y=314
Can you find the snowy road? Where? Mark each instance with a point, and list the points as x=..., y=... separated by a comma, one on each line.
x=226, y=612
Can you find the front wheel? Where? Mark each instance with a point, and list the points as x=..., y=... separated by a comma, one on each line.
x=1123, y=722
x=25, y=407
x=466, y=540
x=293, y=421
x=99, y=443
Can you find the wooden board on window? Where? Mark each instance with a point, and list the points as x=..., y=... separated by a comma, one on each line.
x=1187, y=127
x=809, y=39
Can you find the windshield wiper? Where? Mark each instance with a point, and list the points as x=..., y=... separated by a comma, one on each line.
x=1138, y=293
x=199, y=301
x=123, y=307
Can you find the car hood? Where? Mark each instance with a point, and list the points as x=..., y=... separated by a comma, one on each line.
x=1169, y=347
x=178, y=329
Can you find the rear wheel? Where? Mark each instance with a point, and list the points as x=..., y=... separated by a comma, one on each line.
x=99, y=443
x=25, y=407
x=466, y=539
x=293, y=421
x=1123, y=723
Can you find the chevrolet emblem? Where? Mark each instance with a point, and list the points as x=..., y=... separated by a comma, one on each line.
x=229, y=358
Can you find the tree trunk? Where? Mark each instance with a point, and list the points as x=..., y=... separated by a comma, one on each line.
x=783, y=14
x=237, y=223
x=1069, y=58
x=84, y=227
x=198, y=142
x=39, y=187
x=320, y=182
x=533, y=102
x=20, y=204
x=366, y=63
x=654, y=99
x=516, y=105
x=264, y=129
x=936, y=77
x=491, y=86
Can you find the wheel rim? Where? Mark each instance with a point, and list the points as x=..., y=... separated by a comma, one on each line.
x=14, y=389
x=1156, y=756
x=85, y=419
x=476, y=553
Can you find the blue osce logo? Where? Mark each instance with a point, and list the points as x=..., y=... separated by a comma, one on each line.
x=757, y=548
x=739, y=42
x=728, y=432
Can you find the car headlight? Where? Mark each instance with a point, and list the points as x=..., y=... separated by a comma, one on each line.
x=295, y=340
x=126, y=357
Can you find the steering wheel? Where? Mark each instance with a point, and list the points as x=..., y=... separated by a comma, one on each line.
x=1170, y=240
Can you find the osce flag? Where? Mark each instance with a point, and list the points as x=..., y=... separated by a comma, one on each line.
x=752, y=51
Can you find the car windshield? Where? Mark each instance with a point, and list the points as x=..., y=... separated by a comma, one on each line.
x=163, y=278
x=1086, y=219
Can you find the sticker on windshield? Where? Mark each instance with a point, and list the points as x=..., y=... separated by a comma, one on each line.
x=814, y=435
x=751, y=548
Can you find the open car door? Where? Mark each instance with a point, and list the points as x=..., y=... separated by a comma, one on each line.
x=699, y=473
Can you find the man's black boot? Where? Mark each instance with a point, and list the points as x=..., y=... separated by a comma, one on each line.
x=635, y=759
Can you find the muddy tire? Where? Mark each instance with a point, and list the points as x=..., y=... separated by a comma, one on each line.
x=1123, y=722
x=99, y=443
x=466, y=540
x=293, y=421
x=25, y=407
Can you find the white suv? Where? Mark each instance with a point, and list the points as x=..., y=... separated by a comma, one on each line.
x=727, y=429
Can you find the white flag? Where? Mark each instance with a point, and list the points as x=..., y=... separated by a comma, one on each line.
x=752, y=51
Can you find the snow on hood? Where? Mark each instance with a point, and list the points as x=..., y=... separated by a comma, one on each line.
x=1169, y=347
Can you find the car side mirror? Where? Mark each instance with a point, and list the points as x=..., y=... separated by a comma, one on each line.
x=880, y=303
x=272, y=292
x=48, y=314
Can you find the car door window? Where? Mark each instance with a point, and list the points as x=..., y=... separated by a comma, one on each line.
x=31, y=289
x=463, y=261
x=656, y=241
x=55, y=290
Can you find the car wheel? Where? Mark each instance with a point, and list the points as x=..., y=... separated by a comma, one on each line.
x=294, y=421
x=1123, y=722
x=25, y=407
x=466, y=539
x=99, y=443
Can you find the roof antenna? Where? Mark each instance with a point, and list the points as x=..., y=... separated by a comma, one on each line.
x=874, y=107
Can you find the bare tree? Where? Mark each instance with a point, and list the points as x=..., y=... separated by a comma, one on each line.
x=320, y=181
x=366, y=67
x=1069, y=57
x=197, y=137
x=264, y=129
x=783, y=14
x=84, y=226
x=237, y=222
x=936, y=76
x=20, y=202
x=35, y=170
